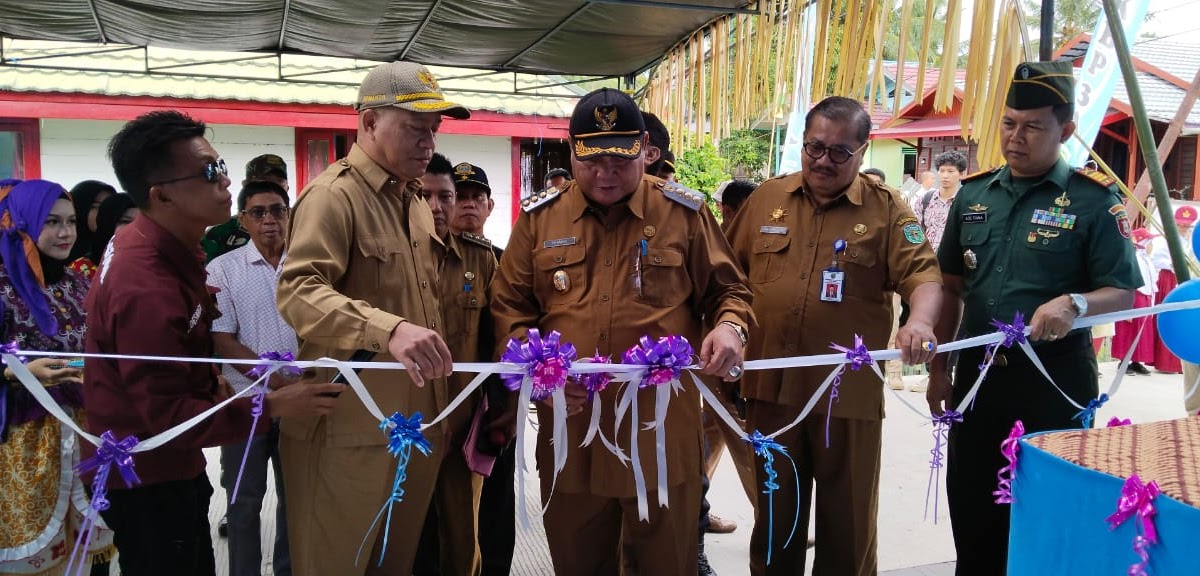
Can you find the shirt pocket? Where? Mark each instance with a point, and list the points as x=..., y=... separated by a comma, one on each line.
x=559, y=275
x=470, y=306
x=767, y=258
x=864, y=278
x=1055, y=253
x=973, y=237
x=381, y=258
x=665, y=279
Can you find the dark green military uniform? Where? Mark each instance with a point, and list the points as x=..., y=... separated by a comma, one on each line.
x=1018, y=243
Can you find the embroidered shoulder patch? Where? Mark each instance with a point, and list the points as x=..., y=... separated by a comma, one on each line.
x=540, y=199
x=980, y=174
x=913, y=233
x=1118, y=212
x=1096, y=176
x=476, y=239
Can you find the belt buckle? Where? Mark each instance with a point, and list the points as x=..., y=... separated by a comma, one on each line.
x=998, y=358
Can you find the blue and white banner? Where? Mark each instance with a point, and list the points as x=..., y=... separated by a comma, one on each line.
x=789, y=160
x=1097, y=79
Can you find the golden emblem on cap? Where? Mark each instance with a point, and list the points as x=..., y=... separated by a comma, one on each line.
x=562, y=282
x=860, y=229
x=1062, y=201
x=778, y=214
x=426, y=78
x=606, y=117
x=649, y=231
x=464, y=168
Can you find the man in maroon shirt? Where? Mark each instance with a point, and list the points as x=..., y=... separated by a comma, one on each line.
x=149, y=298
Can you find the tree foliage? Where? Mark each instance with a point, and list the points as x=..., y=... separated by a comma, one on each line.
x=746, y=153
x=1071, y=18
x=702, y=169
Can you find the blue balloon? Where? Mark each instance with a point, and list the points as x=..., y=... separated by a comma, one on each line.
x=1180, y=330
x=1195, y=242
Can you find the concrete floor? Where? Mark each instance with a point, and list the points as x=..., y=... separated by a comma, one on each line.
x=909, y=545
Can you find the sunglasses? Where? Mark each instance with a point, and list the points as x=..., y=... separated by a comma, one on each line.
x=213, y=171
x=837, y=154
x=278, y=212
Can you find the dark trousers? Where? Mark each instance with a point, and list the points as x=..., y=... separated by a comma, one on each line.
x=163, y=528
x=497, y=516
x=1016, y=391
x=244, y=515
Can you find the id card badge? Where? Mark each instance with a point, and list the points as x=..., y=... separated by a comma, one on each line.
x=832, y=282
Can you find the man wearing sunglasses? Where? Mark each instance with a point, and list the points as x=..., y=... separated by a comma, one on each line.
x=231, y=235
x=825, y=249
x=249, y=325
x=362, y=275
x=150, y=299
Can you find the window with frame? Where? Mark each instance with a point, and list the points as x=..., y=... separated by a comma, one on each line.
x=316, y=149
x=20, y=156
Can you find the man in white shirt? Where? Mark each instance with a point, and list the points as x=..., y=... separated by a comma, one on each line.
x=245, y=280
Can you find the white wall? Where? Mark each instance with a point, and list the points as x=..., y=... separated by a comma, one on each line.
x=75, y=150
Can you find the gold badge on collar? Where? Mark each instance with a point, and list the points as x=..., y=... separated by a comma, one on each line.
x=562, y=282
x=606, y=117
x=860, y=229
x=1062, y=201
x=778, y=214
x=978, y=208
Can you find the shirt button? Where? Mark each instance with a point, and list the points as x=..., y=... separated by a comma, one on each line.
x=416, y=244
x=818, y=211
x=375, y=346
x=803, y=275
x=603, y=336
x=991, y=302
x=433, y=324
x=811, y=243
x=767, y=244
x=1008, y=238
x=604, y=298
x=608, y=261
x=658, y=259
x=424, y=284
x=558, y=259
x=999, y=268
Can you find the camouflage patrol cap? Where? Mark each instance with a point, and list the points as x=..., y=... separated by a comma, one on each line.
x=406, y=85
x=265, y=164
x=1041, y=84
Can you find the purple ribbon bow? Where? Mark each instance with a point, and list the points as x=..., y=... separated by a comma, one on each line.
x=109, y=453
x=765, y=447
x=1114, y=421
x=857, y=357
x=547, y=362
x=272, y=358
x=666, y=358
x=11, y=348
x=1088, y=414
x=1014, y=334
x=1010, y=448
x=594, y=382
x=941, y=426
x=1138, y=499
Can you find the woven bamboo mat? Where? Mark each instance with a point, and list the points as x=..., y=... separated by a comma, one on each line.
x=1165, y=452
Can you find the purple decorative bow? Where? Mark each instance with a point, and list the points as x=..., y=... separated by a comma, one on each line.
x=1086, y=415
x=11, y=348
x=1114, y=421
x=547, y=362
x=109, y=453
x=941, y=426
x=765, y=447
x=594, y=382
x=272, y=358
x=1013, y=334
x=1138, y=499
x=666, y=357
x=1010, y=447
x=857, y=357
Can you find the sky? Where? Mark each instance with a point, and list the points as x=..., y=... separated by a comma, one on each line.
x=1179, y=19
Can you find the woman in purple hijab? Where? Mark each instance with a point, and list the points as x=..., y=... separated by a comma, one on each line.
x=42, y=500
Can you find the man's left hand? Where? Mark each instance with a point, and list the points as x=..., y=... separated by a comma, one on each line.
x=916, y=342
x=720, y=352
x=1052, y=320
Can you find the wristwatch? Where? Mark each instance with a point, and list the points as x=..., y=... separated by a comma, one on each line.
x=737, y=329
x=1079, y=303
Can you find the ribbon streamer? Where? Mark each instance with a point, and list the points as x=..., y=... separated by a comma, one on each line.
x=941, y=426
x=274, y=362
x=766, y=447
x=403, y=435
x=1137, y=500
x=1114, y=421
x=856, y=357
x=110, y=453
x=663, y=362
x=1011, y=448
x=1088, y=414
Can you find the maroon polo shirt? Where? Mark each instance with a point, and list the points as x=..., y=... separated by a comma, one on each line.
x=149, y=299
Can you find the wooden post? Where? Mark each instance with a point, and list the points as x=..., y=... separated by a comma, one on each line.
x=1146, y=142
x=1046, y=44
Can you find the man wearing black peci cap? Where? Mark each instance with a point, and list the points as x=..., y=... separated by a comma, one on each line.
x=1039, y=238
x=614, y=256
x=557, y=178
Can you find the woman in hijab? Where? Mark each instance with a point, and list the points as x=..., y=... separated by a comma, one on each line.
x=87, y=197
x=115, y=212
x=42, y=501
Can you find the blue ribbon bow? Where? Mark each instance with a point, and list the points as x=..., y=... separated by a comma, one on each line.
x=765, y=447
x=1087, y=415
x=404, y=434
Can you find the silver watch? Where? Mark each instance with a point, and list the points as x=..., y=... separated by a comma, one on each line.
x=737, y=328
x=1079, y=303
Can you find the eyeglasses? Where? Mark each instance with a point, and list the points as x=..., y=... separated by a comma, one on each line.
x=278, y=212
x=837, y=154
x=213, y=170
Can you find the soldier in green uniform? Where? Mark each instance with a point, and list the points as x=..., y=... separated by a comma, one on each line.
x=1040, y=238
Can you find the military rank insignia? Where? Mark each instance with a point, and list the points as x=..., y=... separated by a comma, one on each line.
x=1118, y=212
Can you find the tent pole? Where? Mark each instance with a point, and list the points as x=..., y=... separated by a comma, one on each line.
x=1146, y=142
x=1046, y=44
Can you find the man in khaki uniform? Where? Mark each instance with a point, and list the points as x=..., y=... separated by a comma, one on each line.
x=362, y=274
x=614, y=256
x=808, y=293
x=466, y=268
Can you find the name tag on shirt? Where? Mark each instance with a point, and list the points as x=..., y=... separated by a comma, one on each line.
x=974, y=218
x=560, y=242
x=773, y=229
x=832, y=282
